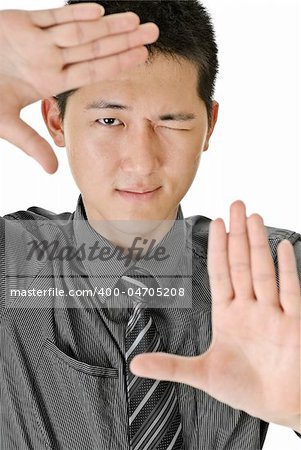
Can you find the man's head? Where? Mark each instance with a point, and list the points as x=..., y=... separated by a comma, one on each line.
x=155, y=137
x=185, y=30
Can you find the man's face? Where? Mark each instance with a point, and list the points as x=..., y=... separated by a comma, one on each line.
x=153, y=140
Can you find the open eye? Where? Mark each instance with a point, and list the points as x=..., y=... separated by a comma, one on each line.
x=109, y=122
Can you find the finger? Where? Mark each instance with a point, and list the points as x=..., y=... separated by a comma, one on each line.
x=145, y=34
x=78, y=33
x=18, y=133
x=93, y=71
x=289, y=286
x=164, y=366
x=239, y=252
x=50, y=17
x=262, y=264
x=218, y=264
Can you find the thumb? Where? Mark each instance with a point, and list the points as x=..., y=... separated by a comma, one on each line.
x=19, y=133
x=164, y=366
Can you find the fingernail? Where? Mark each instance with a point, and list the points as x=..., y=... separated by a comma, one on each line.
x=98, y=6
x=102, y=10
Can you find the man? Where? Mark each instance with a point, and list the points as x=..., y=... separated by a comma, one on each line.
x=70, y=360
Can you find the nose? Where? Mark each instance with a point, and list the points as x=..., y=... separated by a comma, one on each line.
x=141, y=153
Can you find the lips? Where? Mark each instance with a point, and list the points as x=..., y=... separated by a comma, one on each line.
x=138, y=195
x=138, y=190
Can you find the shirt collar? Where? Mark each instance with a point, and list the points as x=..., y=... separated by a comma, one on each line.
x=105, y=273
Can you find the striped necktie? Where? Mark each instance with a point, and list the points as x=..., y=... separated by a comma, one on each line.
x=154, y=417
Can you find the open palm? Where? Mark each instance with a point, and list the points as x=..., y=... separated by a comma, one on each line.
x=253, y=362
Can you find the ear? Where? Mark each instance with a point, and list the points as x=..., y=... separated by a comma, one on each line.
x=53, y=121
x=214, y=115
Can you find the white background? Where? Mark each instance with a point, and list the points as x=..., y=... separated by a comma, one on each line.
x=254, y=153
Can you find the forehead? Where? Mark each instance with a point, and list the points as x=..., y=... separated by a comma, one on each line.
x=160, y=77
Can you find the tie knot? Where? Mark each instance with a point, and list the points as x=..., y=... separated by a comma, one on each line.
x=143, y=286
x=141, y=276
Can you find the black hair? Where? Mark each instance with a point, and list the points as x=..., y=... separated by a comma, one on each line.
x=186, y=30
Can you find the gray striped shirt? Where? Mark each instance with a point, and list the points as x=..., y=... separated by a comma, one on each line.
x=63, y=383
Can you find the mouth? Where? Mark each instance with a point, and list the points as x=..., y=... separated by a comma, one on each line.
x=145, y=194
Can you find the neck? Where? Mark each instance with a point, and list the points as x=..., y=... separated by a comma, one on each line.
x=133, y=237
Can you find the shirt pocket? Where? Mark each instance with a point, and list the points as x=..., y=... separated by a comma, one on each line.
x=76, y=400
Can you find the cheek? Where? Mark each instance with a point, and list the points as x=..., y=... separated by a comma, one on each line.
x=184, y=166
x=187, y=171
x=90, y=162
x=186, y=154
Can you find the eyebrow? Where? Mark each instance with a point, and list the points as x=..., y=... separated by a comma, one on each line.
x=103, y=104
